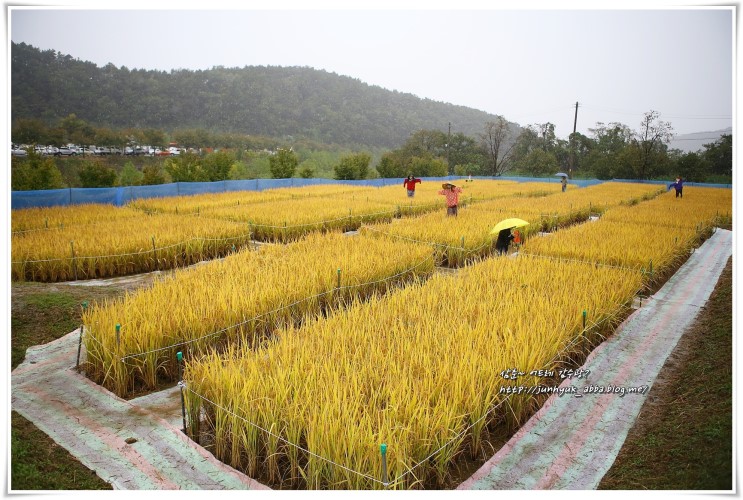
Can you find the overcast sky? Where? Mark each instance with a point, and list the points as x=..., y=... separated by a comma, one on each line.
x=531, y=66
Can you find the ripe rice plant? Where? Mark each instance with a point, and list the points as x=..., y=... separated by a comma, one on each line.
x=195, y=204
x=239, y=299
x=418, y=370
x=702, y=207
x=120, y=247
x=288, y=220
x=457, y=240
x=576, y=205
x=654, y=250
x=53, y=218
x=428, y=200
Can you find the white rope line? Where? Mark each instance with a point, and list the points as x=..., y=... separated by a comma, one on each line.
x=141, y=252
x=410, y=469
x=345, y=217
x=460, y=434
x=579, y=261
x=274, y=311
x=63, y=225
x=366, y=476
x=431, y=243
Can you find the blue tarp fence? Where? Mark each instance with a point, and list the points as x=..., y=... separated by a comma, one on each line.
x=120, y=196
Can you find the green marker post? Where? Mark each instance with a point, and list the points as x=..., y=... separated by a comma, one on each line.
x=584, y=321
x=383, y=451
x=179, y=356
x=154, y=254
x=80, y=342
x=118, y=335
x=74, y=263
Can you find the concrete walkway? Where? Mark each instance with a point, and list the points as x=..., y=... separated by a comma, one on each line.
x=573, y=440
x=569, y=444
x=94, y=426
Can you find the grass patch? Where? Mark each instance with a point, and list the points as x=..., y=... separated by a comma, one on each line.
x=683, y=436
x=38, y=463
x=41, y=313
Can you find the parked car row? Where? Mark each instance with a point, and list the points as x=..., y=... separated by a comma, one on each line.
x=73, y=150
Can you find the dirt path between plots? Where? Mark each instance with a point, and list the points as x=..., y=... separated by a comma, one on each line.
x=569, y=444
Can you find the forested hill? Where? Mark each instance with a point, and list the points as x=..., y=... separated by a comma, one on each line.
x=269, y=101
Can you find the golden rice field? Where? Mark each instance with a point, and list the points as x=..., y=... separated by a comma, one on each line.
x=197, y=203
x=289, y=220
x=123, y=246
x=417, y=370
x=655, y=236
x=54, y=218
x=276, y=350
x=458, y=239
x=454, y=240
x=256, y=290
x=705, y=206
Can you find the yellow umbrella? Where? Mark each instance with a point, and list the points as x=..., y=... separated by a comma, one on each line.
x=508, y=224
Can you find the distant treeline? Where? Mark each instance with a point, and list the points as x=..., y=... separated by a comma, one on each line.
x=284, y=103
x=613, y=151
x=261, y=122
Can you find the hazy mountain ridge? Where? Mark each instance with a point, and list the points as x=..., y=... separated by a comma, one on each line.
x=257, y=100
x=695, y=142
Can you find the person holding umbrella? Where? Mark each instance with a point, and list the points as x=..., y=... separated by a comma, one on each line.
x=503, y=242
x=505, y=235
x=452, y=197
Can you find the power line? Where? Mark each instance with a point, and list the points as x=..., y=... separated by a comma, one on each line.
x=633, y=113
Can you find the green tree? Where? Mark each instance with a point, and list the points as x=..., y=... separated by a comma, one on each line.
x=354, y=166
x=719, y=154
x=692, y=167
x=152, y=174
x=185, y=168
x=153, y=137
x=464, y=150
x=391, y=165
x=283, y=164
x=76, y=130
x=651, y=140
x=29, y=131
x=238, y=171
x=35, y=172
x=601, y=155
x=540, y=163
x=428, y=167
x=467, y=169
x=96, y=174
x=193, y=138
x=498, y=147
x=307, y=168
x=216, y=166
x=130, y=176
x=108, y=137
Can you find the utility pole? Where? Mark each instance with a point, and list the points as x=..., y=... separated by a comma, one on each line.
x=448, y=147
x=572, y=142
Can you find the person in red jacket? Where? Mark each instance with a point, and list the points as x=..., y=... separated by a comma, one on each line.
x=452, y=197
x=409, y=184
